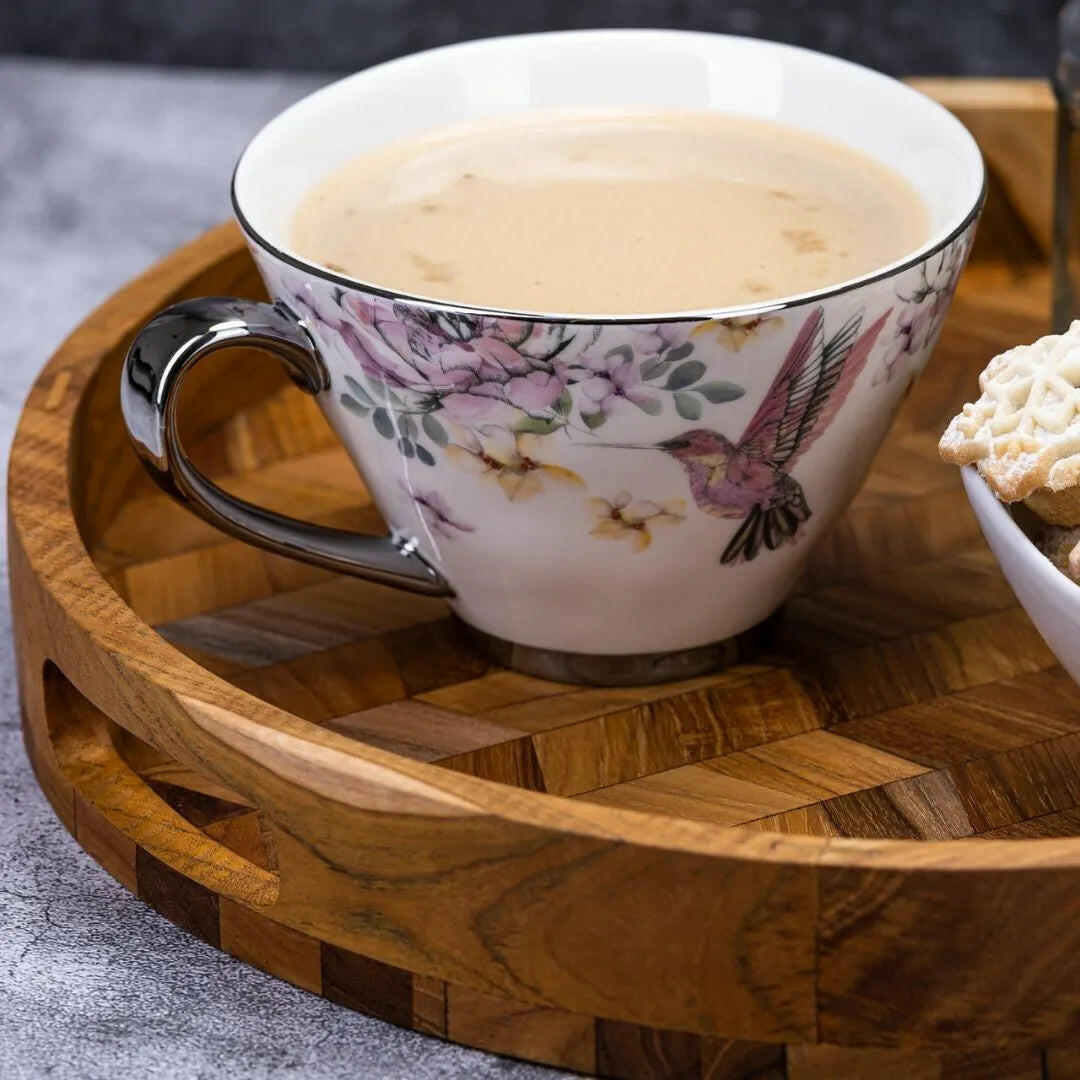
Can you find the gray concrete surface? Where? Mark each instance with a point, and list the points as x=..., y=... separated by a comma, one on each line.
x=103, y=170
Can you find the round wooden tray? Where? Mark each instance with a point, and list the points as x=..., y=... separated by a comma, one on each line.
x=835, y=848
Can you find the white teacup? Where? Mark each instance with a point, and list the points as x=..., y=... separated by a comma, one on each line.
x=612, y=546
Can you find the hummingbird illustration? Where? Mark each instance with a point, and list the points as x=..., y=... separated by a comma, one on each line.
x=751, y=479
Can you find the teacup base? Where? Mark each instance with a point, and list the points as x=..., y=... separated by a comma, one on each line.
x=634, y=669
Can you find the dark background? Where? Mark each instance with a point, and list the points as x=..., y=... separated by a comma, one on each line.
x=902, y=37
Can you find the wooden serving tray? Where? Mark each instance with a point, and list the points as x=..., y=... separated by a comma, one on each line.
x=856, y=856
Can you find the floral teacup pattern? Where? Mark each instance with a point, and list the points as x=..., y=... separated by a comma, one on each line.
x=690, y=446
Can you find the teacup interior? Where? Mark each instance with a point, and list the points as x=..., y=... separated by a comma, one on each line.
x=617, y=69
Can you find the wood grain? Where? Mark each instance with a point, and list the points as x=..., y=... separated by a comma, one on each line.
x=857, y=855
x=271, y=946
x=551, y=1036
x=1013, y=121
x=380, y=990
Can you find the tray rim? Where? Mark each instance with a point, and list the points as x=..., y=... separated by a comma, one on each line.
x=406, y=785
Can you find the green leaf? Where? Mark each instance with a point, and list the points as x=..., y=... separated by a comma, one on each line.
x=719, y=392
x=382, y=393
x=650, y=406
x=539, y=425
x=564, y=403
x=651, y=368
x=684, y=375
x=405, y=447
x=383, y=424
x=680, y=352
x=424, y=454
x=434, y=430
x=593, y=419
x=407, y=425
x=354, y=406
x=358, y=392
x=687, y=406
x=622, y=351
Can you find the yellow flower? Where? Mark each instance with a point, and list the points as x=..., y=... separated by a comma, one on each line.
x=734, y=333
x=512, y=460
x=619, y=519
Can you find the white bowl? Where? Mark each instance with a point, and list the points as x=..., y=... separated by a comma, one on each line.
x=1051, y=600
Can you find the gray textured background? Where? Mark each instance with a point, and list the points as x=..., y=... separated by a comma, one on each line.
x=904, y=37
x=102, y=170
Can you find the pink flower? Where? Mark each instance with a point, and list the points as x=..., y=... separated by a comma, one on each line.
x=476, y=366
x=919, y=322
x=654, y=338
x=436, y=513
x=474, y=404
x=614, y=377
x=372, y=361
x=487, y=356
x=535, y=392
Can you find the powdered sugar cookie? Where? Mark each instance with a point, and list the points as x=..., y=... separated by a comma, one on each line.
x=1023, y=433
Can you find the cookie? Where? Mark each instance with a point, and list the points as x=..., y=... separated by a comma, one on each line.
x=1023, y=433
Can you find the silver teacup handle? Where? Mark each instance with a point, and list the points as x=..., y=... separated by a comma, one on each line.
x=159, y=358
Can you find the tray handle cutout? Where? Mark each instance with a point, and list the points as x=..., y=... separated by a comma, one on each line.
x=87, y=756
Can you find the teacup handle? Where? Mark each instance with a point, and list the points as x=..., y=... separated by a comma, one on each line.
x=159, y=358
